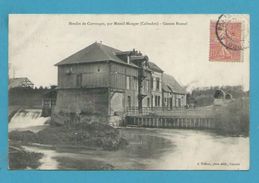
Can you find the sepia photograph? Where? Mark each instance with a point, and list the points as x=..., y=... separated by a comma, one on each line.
x=128, y=91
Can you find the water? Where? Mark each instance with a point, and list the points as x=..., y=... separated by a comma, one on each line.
x=47, y=161
x=156, y=149
x=148, y=149
x=27, y=119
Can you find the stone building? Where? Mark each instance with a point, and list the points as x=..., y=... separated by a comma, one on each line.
x=105, y=81
x=174, y=95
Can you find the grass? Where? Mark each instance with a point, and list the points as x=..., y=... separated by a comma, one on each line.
x=233, y=119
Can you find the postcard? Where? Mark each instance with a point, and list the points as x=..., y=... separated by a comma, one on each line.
x=129, y=91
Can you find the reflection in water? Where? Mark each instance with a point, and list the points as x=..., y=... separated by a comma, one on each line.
x=145, y=145
x=156, y=149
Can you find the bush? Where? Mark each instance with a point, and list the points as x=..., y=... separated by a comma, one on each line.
x=94, y=135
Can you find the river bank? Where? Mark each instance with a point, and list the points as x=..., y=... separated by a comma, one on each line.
x=233, y=119
x=49, y=139
x=91, y=136
x=19, y=158
x=154, y=149
x=35, y=144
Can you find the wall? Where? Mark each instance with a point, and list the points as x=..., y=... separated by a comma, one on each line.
x=118, y=74
x=126, y=78
x=26, y=97
x=166, y=100
x=120, y=81
x=116, y=103
x=182, y=99
x=156, y=92
x=93, y=75
x=174, y=97
x=94, y=101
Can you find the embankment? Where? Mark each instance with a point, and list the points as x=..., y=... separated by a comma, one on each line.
x=21, y=159
x=83, y=135
x=233, y=119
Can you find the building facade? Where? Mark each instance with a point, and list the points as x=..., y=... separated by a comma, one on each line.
x=106, y=81
x=156, y=85
x=174, y=95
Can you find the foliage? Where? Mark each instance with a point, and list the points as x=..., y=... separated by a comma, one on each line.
x=94, y=135
x=233, y=119
x=205, y=96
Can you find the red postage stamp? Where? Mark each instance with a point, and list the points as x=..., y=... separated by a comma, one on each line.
x=225, y=41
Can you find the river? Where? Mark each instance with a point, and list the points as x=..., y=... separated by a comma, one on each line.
x=156, y=149
x=152, y=149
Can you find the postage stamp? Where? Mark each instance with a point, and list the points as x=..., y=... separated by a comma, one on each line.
x=227, y=40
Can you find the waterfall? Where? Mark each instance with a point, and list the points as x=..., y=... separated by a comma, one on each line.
x=27, y=118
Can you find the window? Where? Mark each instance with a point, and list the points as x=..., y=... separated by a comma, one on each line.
x=179, y=102
x=157, y=101
x=135, y=83
x=69, y=70
x=129, y=101
x=151, y=83
x=148, y=102
x=79, y=80
x=147, y=85
x=171, y=103
x=157, y=83
x=127, y=82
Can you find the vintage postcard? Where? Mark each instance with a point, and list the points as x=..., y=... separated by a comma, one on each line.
x=129, y=92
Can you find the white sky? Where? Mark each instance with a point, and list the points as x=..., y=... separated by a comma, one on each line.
x=37, y=42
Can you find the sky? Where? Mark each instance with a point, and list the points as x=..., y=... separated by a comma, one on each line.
x=178, y=44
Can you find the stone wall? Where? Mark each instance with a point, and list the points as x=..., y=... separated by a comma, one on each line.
x=84, y=101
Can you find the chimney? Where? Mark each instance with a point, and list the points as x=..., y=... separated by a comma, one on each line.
x=128, y=59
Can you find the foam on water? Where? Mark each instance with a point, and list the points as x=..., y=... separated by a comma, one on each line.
x=27, y=118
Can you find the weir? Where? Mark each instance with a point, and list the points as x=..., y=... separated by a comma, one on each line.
x=27, y=118
x=170, y=122
x=199, y=118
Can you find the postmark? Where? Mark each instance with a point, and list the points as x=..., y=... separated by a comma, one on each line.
x=227, y=39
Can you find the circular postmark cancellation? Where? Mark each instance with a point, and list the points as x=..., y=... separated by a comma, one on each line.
x=230, y=32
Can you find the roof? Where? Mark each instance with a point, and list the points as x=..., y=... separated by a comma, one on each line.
x=95, y=52
x=171, y=85
x=20, y=82
x=154, y=67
